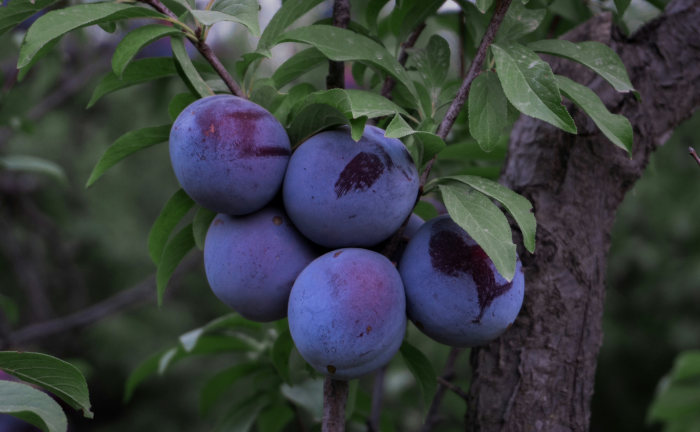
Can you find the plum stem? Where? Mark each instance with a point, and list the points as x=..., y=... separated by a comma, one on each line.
x=694, y=154
x=474, y=70
x=377, y=396
x=390, y=82
x=336, y=69
x=446, y=377
x=203, y=49
x=335, y=394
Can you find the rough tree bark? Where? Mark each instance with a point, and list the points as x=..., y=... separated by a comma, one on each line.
x=539, y=376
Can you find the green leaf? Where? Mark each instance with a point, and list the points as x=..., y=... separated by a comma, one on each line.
x=147, y=368
x=275, y=418
x=135, y=40
x=407, y=15
x=431, y=144
x=191, y=339
x=174, y=210
x=470, y=150
x=200, y=225
x=33, y=406
x=484, y=5
x=484, y=222
x=17, y=11
x=352, y=103
x=675, y=402
x=517, y=205
x=313, y=119
x=174, y=252
x=281, y=350
x=686, y=366
x=614, y=126
x=242, y=417
x=215, y=387
x=297, y=65
x=432, y=64
x=283, y=18
x=422, y=371
x=342, y=45
x=137, y=72
x=425, y=210
x=193, y=79
x=528, y=83
x=488, y=109
x=600, y=58
x=241, y=11
x=126, y=145
x=307, y=394
x=357, y=128
x=621, y=6
x=372, y=13
x=519, y=21
x=33, y=164
x=178, y=103
x=55, y=375
x=56, y=23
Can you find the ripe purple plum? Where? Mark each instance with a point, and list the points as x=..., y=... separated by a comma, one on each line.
x=453, y=292
x=251, y=262
x=229, y=154
x=347, y=312
x=343, y=193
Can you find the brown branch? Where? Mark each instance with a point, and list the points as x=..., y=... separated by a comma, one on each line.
x=390, y=82
x=694, y=154
x=203, y=49
x=453, y=387
x=447, y=374
x=336, y=70
x=377, y=396
x=474, y=71
x=335, y=394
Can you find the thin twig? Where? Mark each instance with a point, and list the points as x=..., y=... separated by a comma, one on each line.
x=447, y=375
x=203, y=49
x=474, y=71
x=694, y=155
x=454, y=388
x=336, y=70
x=377, y=396
x=335, y=394
x=390, y=82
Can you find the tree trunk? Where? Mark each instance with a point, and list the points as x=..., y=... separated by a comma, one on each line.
x=539, y=376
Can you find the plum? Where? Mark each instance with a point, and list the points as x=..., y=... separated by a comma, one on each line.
x=347, y=312
x=252, y=261
x=453, y=292
x=229, y=154
x=341, y=193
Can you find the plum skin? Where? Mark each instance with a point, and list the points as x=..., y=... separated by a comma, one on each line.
x=347, y=312
x=453, y=292
x=229, y=154
x=252, y=261
x=342, y=193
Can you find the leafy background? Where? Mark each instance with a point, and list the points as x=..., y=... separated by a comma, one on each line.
x=76, y=247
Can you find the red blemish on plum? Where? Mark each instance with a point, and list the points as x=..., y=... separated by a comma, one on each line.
x=335, y=255
x=451, y=255
x=359, y=174
x=277, y=220
x=368, y=329
x=330, y=368
x=218, y=222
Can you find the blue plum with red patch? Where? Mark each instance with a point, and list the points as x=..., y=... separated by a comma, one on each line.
x=344, y=193
x=454, y=294
x=347, y=312
x=251, y=262
x=229, y=154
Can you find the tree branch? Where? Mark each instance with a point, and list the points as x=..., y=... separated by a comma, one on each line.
x=203, y=49
x=336, y=70
x=335, y=394
x=474, y=70
x=390, y=82
x=694, y=154
x=447, y=374
x=377, y=396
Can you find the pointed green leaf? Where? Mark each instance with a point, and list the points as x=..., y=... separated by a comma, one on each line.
x=528, y=83
x=686, y=366
x=595, y=55
x=313, y=119
x=422, y=371
x=56, y=23
x=352, y=103
x=307, y=394
x=190, y=340
x=430, y=144
x=126, y=145
x=194, y=80
x=174, y=252
x=621, y=6
x=136, y=72
x=215, y=387
x=135, y=40
x=517, y=205
x=241, y=11
x=275, y=418
x=283, y=18
x=242, y=417
x=519, y=21
x=200, y=225
x=484, y=5
x=17, y=11
x=55, y=375
x=614, y=126
x=297, y=65
x=174, y=210
x=488, y=109
x=281, y=351
x=484, y=222
x=33, y=164
x=32, y=405
x=178, y=103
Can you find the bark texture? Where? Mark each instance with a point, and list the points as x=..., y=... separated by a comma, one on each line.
x=539, y=376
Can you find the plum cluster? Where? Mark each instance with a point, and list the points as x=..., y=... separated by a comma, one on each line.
x=310, y=259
